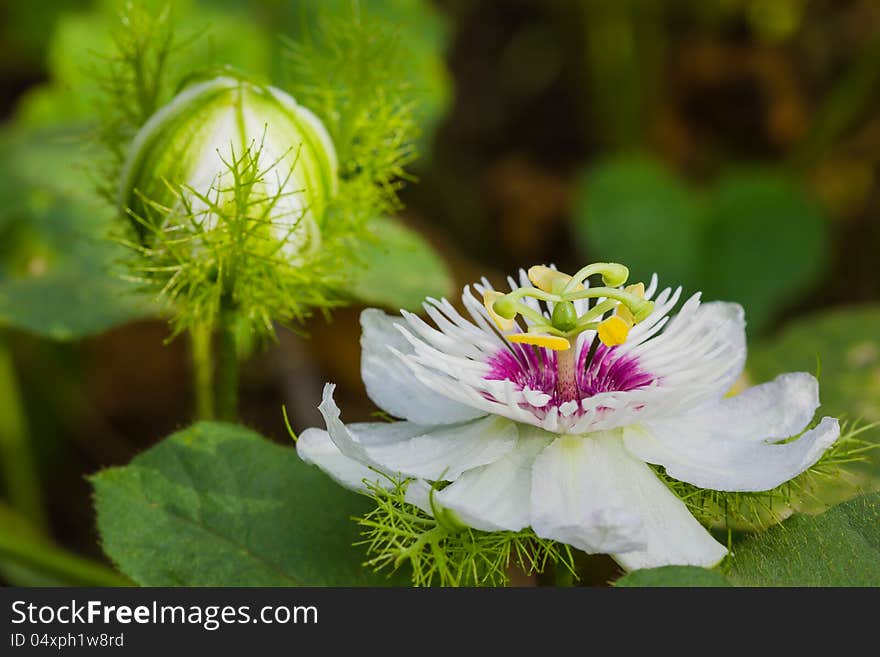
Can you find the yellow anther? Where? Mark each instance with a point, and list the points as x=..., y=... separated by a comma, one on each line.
x=613, y=331
x=553, y=342
x=489, y=298
x=549, y=280
x=638, y=290
x=625, y=314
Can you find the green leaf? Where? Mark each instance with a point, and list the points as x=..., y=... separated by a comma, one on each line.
x=689, y=576
x=840, y=547
x=755, y=237
x=632, y=210
x=398, y=269
x=765, y=243
x=218, y=505
x=81, y=39
x=844, y=344
x=57, y=276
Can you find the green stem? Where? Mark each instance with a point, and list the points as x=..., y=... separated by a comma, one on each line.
x=16, y=454
x=50, y=560
x=203, y=371
x=227, y=368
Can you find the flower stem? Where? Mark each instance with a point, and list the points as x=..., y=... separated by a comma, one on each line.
x=16, y=454
x=203, y=370
x=227, y=367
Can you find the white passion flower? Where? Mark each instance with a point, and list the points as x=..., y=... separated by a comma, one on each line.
x=546, y=406
x=194, y=140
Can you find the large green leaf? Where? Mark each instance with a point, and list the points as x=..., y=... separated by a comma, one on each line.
x=632, y=210
x=398, y=269
x=689, y=576
x=840, y=547
x=765, y=242
x=754, y=237
x=218, y=505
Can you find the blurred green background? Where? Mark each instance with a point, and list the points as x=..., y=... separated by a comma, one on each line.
x=731, y=146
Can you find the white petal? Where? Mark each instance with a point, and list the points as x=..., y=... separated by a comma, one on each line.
x=575, y=496
x=702, y=349
x=413, y=450
x=496, y=497
x=728, y=446
x=418, y=493
x=314, y=446
x=391, y=384
x=587, y=491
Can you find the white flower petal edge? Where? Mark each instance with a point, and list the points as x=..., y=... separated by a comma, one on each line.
x=390, y=383
x=701, y=352
x=496, y=497
x=592, y=494
x=412, y=450
x=314, y=446
x=728, y=446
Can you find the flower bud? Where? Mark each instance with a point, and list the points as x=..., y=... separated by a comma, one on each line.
x=194, y=143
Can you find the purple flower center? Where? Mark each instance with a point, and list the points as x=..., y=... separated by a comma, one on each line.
x=535, y=368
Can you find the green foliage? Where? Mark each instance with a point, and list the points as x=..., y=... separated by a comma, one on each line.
x=118, y=63
x=419, y=27
x=844, y=342
x=218, y=505
x=673, y=576
x=133, y=79
x=397, y=268
x=57, y=275
x=442, y=553
x=840, y=547
x=754, y=237
x=212, y=33
x=634, y=211
x=350, y=73
x=764, y=242
x=89, y=56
